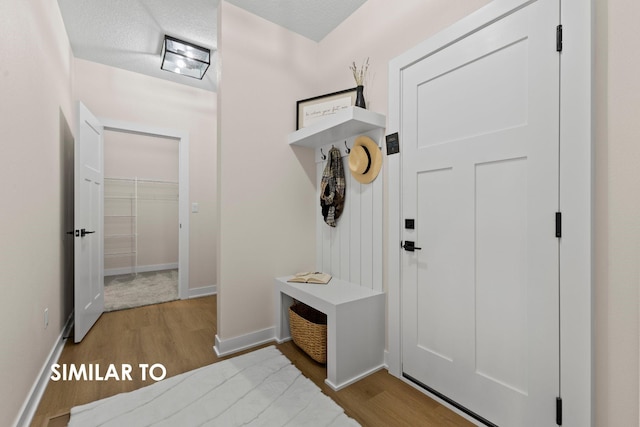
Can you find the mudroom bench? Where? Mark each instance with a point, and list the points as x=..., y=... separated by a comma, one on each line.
x=355, y=325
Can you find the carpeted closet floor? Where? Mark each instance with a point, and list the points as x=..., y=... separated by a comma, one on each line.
x=135, y=290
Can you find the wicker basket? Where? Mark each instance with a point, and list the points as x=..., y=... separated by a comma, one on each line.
x=309, y=331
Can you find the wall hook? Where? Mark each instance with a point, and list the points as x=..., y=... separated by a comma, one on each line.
x=324, y=157
x=347, y=147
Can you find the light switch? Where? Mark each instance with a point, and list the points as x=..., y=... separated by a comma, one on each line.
x=195, y=207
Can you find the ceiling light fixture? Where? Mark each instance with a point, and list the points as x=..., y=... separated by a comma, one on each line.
x=185, y=58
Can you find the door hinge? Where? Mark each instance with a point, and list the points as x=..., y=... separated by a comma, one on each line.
x=559, y=411
x=559, y=38
x=558, y=224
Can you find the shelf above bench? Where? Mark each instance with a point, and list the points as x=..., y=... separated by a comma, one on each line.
x=341, y=125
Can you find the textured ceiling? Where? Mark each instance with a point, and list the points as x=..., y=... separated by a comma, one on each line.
x=128, y=34
x=313, y=19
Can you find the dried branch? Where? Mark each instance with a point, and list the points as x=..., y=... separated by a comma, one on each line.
x=359, y=74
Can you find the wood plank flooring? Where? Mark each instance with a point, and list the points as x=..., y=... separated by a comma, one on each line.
x=180, y=335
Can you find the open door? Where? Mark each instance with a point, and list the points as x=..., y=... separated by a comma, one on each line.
x=88, y=232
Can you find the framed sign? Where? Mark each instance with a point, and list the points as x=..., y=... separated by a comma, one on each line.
x=312, y=109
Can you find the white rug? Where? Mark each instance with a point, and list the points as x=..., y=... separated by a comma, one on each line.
x=135, y=290
x=261, y=388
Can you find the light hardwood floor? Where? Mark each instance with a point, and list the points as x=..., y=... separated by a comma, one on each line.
x=180, y=335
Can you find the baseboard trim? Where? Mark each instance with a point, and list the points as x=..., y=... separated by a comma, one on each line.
x=203, y=291
x=30, y=405
x=140, y=269
x=243, y=342
x=337, y=387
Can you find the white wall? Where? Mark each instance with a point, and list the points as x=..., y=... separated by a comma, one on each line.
x=382, y=30
x=123, y=95
x=266, y=188
x=127, y=155
x=35, y=117
x=36, y=76
x=617, y=212
x=154, y=162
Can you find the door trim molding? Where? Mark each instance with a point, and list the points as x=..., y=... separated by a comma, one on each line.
x=183, y=188
x=576, y=176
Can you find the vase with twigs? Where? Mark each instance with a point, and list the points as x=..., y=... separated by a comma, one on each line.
x=359, y=75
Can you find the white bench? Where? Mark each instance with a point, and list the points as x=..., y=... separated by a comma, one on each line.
x=355, y=325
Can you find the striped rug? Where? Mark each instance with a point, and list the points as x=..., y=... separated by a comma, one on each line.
x=261, y=388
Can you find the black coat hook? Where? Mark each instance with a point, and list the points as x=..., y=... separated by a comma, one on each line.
x=324, y=157
x=347, y=147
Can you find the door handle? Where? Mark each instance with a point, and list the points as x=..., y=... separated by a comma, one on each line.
x=409, y=246
x=84, y=232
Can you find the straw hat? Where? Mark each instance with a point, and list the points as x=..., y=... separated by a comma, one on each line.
x=365, y=159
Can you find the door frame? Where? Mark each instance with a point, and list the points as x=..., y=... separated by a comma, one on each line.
x=183, y=188
x=576, y=196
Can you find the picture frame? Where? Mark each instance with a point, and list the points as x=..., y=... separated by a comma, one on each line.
x=310, y=110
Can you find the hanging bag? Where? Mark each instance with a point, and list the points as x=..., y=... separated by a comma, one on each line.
x=332, y=188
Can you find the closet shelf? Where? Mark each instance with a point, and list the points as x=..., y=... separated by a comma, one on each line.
x=342, y=125
x=112, y=254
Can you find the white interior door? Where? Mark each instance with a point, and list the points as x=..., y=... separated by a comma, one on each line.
x=480, y=310
x=89, y=189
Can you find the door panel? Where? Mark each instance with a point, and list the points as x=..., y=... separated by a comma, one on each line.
x=436, y=296
x=498, y=76
x=480, y=176
x=501, y=272
x=89, y=191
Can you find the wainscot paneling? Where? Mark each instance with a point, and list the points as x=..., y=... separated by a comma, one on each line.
x=352, y=250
